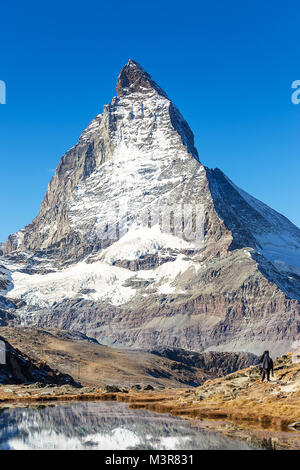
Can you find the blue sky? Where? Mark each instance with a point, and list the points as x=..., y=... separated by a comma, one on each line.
x=227, y=65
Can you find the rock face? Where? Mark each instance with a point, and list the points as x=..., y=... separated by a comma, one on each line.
x=87, y=263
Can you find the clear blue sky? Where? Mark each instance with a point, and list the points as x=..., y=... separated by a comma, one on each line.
x=227, y=65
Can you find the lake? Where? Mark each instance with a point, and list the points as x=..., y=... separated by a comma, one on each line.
x=106, y=426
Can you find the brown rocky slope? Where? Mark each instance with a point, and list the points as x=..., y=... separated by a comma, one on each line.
x=18, y=368
x=93, y=364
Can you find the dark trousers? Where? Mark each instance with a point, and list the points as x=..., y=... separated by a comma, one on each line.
x=265, y=372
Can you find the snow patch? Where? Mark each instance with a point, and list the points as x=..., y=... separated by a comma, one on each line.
x=142, y=241
x=96, y=281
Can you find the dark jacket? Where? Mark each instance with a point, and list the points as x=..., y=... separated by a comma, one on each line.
x=266, y=362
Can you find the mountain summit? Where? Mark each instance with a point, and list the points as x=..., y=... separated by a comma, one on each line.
x=134, y=79
x=86, y=263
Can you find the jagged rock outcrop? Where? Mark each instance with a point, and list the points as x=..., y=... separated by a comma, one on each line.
x=88, y=263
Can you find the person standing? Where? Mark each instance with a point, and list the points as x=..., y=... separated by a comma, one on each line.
x=266, y=364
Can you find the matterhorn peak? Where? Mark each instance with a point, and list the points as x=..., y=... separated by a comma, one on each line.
x=134, y=79
x=90, y=261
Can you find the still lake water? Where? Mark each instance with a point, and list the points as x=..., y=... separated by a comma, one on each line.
x=106, y=426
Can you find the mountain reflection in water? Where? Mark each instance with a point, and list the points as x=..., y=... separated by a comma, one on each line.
x=103, y=425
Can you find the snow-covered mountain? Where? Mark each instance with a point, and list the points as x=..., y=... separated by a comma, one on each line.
x=92, y=261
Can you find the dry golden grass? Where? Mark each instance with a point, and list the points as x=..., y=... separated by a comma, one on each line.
x=239, y=396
